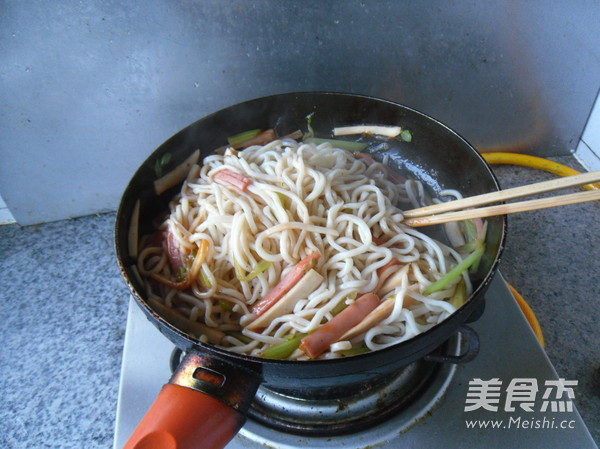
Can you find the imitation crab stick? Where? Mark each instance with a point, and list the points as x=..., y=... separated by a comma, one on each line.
x=179, y=266
x=317, y=343
x=174, y=252
x=237, y=180
x=285, y=285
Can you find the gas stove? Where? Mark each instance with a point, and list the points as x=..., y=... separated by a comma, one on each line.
x=508, y=396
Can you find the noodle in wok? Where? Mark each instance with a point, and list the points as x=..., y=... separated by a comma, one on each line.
x=242, y=222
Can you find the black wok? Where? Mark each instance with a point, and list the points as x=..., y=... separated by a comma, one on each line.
x=437, y=156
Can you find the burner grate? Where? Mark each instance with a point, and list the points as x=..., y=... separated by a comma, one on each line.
x=351, y=408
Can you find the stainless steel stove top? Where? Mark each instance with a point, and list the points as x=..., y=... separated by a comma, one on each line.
x=506, y=397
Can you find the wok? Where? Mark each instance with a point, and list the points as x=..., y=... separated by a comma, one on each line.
x=204, y=403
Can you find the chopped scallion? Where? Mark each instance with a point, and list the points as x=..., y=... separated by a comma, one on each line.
x=204, y=279
x=460, y=294
x=475, y=241
x=406, y=135
x=262, y=266
x=339, y=307
x=470, y=247
x=353, y=147
x=161, y=162
x=342, y=304
x=455, y=272
x=239, y=271
x=283, y=350
x=309, y=119
x=470, y=230
x=225, y=305
x=355, y=351
x=282, y=199
x=473, y=268
x=181, y=274
x=243, y=137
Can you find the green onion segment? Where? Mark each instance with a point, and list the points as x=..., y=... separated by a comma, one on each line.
x=283, y=350
x=243, y=137
x=353, y=147
x=260, y=267
x=455, y=272
x=406, y=135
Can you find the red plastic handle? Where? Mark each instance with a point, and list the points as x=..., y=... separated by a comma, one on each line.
x=183, y=418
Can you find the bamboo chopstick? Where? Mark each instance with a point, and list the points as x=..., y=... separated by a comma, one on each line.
x=503, y=209
x=450, y=211
x=504, y=195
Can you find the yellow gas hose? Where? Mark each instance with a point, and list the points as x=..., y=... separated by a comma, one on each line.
x=529, y=314
x=540, y=163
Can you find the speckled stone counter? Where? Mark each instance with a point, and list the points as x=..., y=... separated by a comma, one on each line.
x=63, y=309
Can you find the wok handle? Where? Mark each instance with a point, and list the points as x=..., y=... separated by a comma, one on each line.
x=472, y=342
x=184, y=418
x=202, y=407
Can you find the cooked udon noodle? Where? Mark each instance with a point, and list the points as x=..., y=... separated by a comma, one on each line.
x=303, y=199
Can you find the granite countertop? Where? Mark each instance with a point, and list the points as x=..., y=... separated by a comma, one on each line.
x=64, y=306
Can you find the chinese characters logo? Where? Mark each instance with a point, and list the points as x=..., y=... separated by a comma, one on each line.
x=522, y=394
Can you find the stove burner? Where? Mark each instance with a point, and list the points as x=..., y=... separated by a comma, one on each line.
x=383, y=425
x=348, y=409
x=404, y=396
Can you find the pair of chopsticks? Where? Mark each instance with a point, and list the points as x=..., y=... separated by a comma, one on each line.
x=453, y=210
